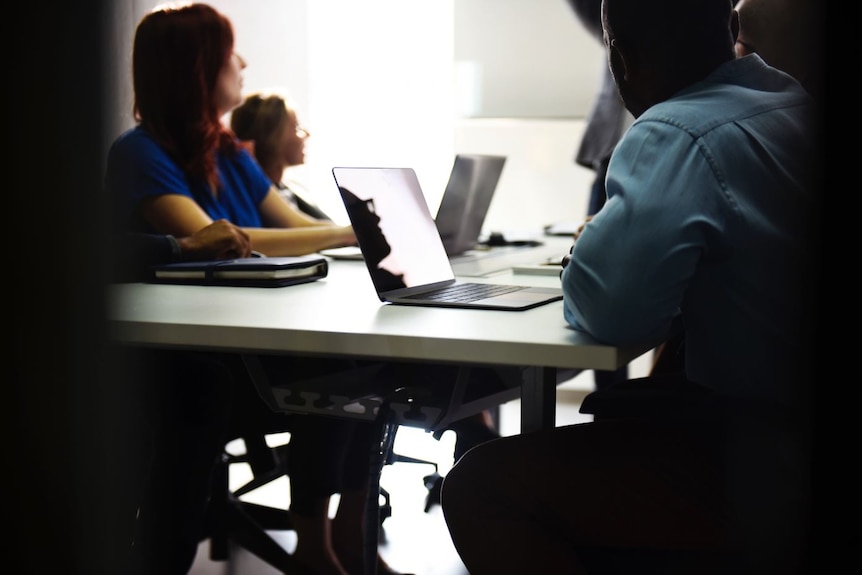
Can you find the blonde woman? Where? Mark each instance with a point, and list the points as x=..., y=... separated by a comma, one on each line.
x=270, y=124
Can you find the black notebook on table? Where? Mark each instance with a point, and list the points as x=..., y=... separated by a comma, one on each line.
x=251, y=272
x=403, y=250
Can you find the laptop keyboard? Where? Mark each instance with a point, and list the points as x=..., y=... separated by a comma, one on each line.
x=466, y=292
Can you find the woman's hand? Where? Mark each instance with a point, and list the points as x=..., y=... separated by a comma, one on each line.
x=218, y=241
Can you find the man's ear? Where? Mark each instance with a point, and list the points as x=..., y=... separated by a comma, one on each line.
x=734, y=25
x=618, y=62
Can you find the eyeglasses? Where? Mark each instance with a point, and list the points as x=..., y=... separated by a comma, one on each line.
x=302, y=132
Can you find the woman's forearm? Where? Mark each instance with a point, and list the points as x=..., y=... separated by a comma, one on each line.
x=299, y=241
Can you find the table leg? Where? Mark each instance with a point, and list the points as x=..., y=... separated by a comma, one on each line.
x=386, y=428
x=538, y=398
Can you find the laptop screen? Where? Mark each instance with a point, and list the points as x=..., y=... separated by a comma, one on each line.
x=466, y=200
x=393, y=226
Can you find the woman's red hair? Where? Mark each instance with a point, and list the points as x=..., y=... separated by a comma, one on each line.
x=177, y=56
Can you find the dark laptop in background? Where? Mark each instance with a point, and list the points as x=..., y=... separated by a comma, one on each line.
x=403, y=250
x=466, y=200
x=461, y=216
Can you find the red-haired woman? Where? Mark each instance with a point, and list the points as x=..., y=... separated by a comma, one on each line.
x=181, y=168
x=174, y=173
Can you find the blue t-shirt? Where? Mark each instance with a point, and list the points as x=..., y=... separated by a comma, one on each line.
x=710, y=214
x=139, y=167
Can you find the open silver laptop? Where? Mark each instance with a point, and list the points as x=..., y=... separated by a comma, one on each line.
x=403, y=250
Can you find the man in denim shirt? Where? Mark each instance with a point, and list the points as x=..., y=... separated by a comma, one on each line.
x=711, y=220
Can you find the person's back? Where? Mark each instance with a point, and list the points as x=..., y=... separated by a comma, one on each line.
x=714, y=185
x=745, y=214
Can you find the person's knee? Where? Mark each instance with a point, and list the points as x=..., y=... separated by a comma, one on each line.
x=467, y=479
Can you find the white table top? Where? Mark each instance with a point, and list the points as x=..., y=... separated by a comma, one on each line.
x=342, y=315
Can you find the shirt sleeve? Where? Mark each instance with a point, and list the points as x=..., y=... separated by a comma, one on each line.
x=254, y=178
x=134, y=253
x=138, y=168
x=630, y=267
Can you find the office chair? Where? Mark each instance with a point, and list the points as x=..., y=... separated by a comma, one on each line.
x=382, y=398
x=232, y=520
x=246, y=524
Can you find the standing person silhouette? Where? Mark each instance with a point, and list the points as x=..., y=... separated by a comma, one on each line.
x=606, y=122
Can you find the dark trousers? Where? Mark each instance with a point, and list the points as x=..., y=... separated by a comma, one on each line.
x=185, y=400
x=703, y=491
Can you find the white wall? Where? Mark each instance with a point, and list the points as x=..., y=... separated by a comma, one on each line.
x=540, y=183
x=526, y=58
x=381, y=87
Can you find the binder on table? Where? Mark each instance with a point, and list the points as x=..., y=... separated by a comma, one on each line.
x=251, y=272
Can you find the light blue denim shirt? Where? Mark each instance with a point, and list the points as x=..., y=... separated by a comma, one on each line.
x=709, y=215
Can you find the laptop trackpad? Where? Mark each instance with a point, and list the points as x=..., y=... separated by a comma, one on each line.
x=522, y=297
